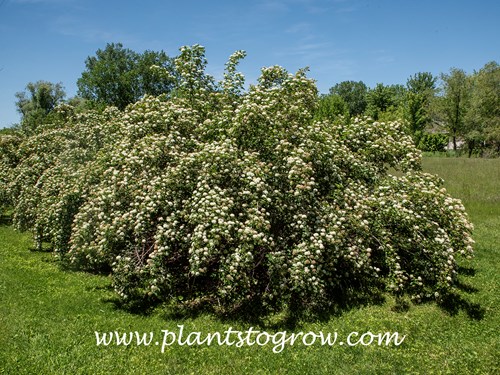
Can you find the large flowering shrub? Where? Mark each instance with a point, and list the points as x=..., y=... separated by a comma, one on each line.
x=232, y=197
x=9, y=157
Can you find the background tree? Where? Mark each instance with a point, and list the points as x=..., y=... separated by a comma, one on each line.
x=454, y=102
x=482, y=120
x=383, y=101
x=37, y=102
x=354, y=94
x=331, y=107
x=149, y=80
x=420, y=90
x=108, y=77
x=119, y=76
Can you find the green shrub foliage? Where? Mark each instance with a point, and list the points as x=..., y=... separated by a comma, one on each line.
x=9, y=157
x=433, y=142
x=233, y=197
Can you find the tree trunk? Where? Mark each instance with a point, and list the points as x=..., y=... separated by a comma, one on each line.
x=471, y=147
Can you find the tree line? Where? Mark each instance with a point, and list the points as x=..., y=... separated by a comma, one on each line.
x=455, y=107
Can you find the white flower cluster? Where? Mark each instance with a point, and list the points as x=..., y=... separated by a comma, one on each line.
x=9, y=146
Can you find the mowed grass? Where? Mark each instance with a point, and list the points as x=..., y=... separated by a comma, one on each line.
x=48, y=315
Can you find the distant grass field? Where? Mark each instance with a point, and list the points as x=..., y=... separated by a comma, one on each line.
x=48, y=316
x=475, y=181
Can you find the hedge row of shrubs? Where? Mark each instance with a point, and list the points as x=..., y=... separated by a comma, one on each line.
x=236, y=198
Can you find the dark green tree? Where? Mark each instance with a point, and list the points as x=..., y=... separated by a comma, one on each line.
x=354, y=94
x=422, y=82
x=454, y=102
x=482, y=120
x=154, y=81
x=331, y=107
x=119, y=76
x=383, y=101
x=108, y=77
x=420, y=91
x=37, y=102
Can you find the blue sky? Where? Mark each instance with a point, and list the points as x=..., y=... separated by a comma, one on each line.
x=373, y=41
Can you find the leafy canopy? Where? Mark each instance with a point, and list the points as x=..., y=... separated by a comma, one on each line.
x=37, y=102
x=118, y=76
x=354, y=94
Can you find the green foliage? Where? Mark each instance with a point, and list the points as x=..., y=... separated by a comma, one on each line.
x=238, y=199
x=50, y=171
x=13, y=130
x=383, y=101
x=482, y=120
x=469, y=108
x=37, y=102
x=331, y=107
x=420, y=91
x=454, y=102
x=118, y=76
x=354, y=95
x=433, y=142
x=9, y=158
x=421, y=83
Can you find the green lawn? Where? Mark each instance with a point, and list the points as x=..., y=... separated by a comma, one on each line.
x=48, y=316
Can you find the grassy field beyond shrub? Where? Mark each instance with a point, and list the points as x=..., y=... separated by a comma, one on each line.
x=48, y=316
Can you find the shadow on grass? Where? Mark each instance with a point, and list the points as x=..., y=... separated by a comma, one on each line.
x=250, y=312
x=143, y=307
x=292, y=316
x=45, y=248
x=5, y=219
x=295, y=315
x=466, y=287
x=453, y=303
x=98, y=270
x=466, y=271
